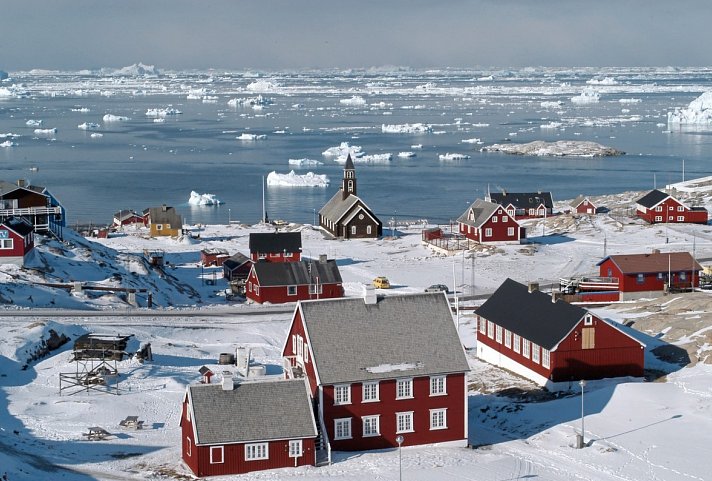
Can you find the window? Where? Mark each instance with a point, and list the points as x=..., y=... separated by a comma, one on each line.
x=545, y=361
x=353, y=230
x=498, y=334
x=188, y=446
x=438, y=419
x=494, y=219
x=437, y=386
x=368, y=229
x=660, y=276
x=680, y=208
x=640, y=279
x=306, y=353
x=507, y=338
x=291, y=290
x=483, y=325
x=510, y=231
x=404, y=422
x=683, y=276
x=257, y=290
x=504, y=218
x=159, y=226
x=488, y=232
x=260, y=451
x=287, y=254
x=531, y=211
x=671, y=217
x=516, y=343
x=217, y=455
x=295, y=448
x=370, y=391
x=671, y=208
x=6, y=243
x=342, y=428
x=526, y=346
x=316, y=288
x=680, y=218
x=490, y=329
x=588, y=320
x=371, y=426
x=342, y=394
x=659, y=208
x=535, y=353
x=588, y=338
x=404, y=388
x=658, y=218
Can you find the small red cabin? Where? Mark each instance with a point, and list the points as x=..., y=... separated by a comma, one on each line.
x=213, y=257
x=552, y=343
x=16, y=241
x=658, y=207
x=583, y=205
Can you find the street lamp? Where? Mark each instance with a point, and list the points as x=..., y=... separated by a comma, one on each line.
x=399, y=440
x=580, y=440
x=229, y=216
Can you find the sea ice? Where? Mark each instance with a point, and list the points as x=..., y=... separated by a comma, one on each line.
x=45, y=131
x=88, y=126
x=365, y=159
x=406, y=155
x=406, y=129
x=96, y=135
x=574, y=148
x=292, y=179
x=304, y=162
x=699, y=112
x=162, y=112
x=603, y=81
x=247, y=136
x=416, y=146
x=252, y=101
x=81, y=109
x=343, y=150
x=203, y=199
x=262, y=86
x=115, y=118
x=356, y=100
x=33, y=123
x=551, y=104
x=471, y=141
x=8, y=143
x=588, y=96
x=453, y=156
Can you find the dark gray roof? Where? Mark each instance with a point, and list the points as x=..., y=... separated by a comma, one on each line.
x=652, y=198
x=276, y=242
x=481, y=209
x=337, y=207
x=125, y=214
x=252, y=411
x=165, y=215
x=7, y=187
x=523, y=200
x=297, y=273
x=532, y=315
x=577, y=201
x=19, y=226
x=399, y=336
x=236, y=260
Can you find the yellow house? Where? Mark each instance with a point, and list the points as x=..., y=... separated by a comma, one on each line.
x=164, y=221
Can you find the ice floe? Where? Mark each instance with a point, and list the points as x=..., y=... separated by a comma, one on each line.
x=573, y=148
x=250, y=101
x=603, y=81
x=453, y=156
x=203, y=199
x=471, y=141
x=246, y=136
x=96, y=135
x=588, y=96
x=416, y=146
x=115, y=118
x=33, y=123
x=365, y=159
x=81, y=109
x=698, y=112
x=45, y=131
x=551, y=104
x=162, y=112
x=356, y=100
x=88, y=126
x=262, y=86
x=406, y=129
x=304, y=162
x=8, y=143
x=343, y=149
x=292, y=179
x=406, y=155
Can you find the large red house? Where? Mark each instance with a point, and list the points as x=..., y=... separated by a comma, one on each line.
x=236, y=428
x=276, y=246
x=16, y=241
x=658, y=207
x=648, y=275
x=489, y=223
x=552, y=343
x=280, y=282
x=525, y=204
x=381, y=367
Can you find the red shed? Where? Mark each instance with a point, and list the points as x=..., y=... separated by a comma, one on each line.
x=659, y=207
x=552, y=343
x=583, y=205
x=489, y=223
x=213, y=257
x=647, y=275
x=16, y=241
x=367, y=365
x=236, y=428
x=280, y=282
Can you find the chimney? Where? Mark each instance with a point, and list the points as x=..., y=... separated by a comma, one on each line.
x=21, y=183
x=322, y=258
x=533, y=286
x=228, y=383
x=656, y=251
x=164, y=207
x=369, y=295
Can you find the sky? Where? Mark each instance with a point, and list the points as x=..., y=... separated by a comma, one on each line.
x=290, y=34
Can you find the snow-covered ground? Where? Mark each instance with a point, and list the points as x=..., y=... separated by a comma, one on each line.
x=635, y=430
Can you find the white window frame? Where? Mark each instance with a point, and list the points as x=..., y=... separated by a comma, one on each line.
x=342, y=394
x=498, y=334
x=353, y=230
x=526, y=347
x=535, y=353
x=368, y=230
x=490, y=329
x=488, y=232
x=404, y=422
x=404, y=388
x=680, y=208
x=659, y=208
x=681, y=218
x=438, y=419
x=291, y=290
x=6, y=244
x=342, y=428
x=371, y=426
x=483, y=325
x=510, y=231
x=296, y=448
x=287, y=254
x=517, y=345
x=505, y=218
x=316, y=288
x=588, y=320
x=189, y=446
x=368, y=388
x=494, y=219
x=256, y=451
x=159, y=226
x=658, y=218
x=438, y=385
x=221, y=450
x=545, y=358
x=508, y=338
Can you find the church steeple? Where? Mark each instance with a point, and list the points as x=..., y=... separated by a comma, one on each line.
x=348, y=186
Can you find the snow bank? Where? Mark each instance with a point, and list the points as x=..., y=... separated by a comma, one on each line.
x=406, y=129
x=356, y=100
x=304, y=162
x=574, y=148
x=203, y=199
x=115, y=118
x=246, y=136
x=588, y=96
x=343, y=150
x=262, y=86
x=33, y=123
x=453, y=156
x=162, y=112
x=292, y=179
x=699, y=112
x=88, y=126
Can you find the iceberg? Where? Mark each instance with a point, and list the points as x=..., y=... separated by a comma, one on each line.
x=588, y=96
x=251, y=137
x=551, y=104
x=203, y=199
x=416, y=146
x=698, y=112
x=406, y=129
x=453, y=156
x=96, y=135
x=262, y=86
x=365, y=159
x=292, y=179
x=8, y=143
x=253, y=101
x=406, y=155
x=304, y=162
x=356, y=100
x=343, y=150
x=569, y=148
x=88, y=126
x=81, y=109
x=136, y=70
x=471, y=141
x=115, y=118
x=33, y=123
x=45, y=131
x=162, y=112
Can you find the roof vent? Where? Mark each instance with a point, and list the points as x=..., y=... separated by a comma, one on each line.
x=228, y=383
x=533, y=286
x=322, y=258
x=21, y=183
x=369, y=295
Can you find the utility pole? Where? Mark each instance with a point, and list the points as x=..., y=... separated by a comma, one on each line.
x=581, y=442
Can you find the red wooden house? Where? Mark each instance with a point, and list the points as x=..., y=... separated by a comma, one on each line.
x=381, y=367
x=524, y=205
x=489, y=223
x=658, y=207
x=213, y=257
x=237, y=267
x=16, y=241
x=129, y=217
x=280, y=282
x=647, y=275
x=552, y=343
x=276, y=246
x=33, y=203
x=249, y=426
x=583, y=205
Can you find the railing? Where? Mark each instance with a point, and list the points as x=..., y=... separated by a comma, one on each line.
x=31, y=211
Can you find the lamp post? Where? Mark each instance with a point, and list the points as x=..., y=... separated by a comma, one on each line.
x=399, y=440
x=581, y=440
x=314, y=222
x=229, y=216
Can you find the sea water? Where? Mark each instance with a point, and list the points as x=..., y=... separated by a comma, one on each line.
x=139, y=163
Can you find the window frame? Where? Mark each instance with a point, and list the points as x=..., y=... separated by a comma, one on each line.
x=293, y=453
x=535, y=353
x=376, y=418
x=292, y=290
x=407, y=392
x=498, y=334
x=526, y=348
x=364, y=390
x=222, y=454
x=339, y=398
x=438, y=385
x=508, y=338
x=407, y=424
x=438, y=419
x=517, y=343
x=346, y=432
x=256, y=451
x=488, y=232
x=545, y=358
